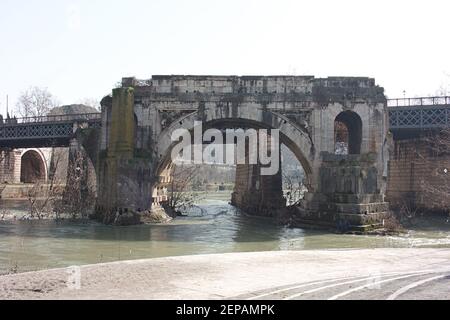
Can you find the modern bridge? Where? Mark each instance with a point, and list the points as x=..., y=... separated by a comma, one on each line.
x=45, y=131
x=408, y=117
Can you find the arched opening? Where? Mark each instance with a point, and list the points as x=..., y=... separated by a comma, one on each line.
x=290, y=137
x=32, y=167
x=180, y=180
x=292, y=182
x=294, y=178
x=348, y=133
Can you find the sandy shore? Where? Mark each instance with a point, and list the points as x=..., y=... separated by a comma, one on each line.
x=219, y=276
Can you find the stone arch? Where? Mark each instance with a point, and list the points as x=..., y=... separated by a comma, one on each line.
x=298, y=141
x=348, y=129
x=33, y=167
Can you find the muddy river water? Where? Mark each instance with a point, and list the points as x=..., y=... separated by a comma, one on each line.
x=213, y=227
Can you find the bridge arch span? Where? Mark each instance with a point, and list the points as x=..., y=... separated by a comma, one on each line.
x=298, y=141
x=33, y=166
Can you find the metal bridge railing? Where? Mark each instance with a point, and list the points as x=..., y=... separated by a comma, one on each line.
x=52, y=118
x=419, y=102
x=419, y=118
x=419, y=113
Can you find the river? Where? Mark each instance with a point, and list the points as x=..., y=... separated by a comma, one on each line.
x=213, y=227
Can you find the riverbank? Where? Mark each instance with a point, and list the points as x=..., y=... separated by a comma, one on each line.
x=244, y=276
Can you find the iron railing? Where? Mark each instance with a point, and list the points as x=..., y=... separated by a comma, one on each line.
x=36, y=131
x=419, y=113
x=419, y=118
x=52, y=119
x=419, y=102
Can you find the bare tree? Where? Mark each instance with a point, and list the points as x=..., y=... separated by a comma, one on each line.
x=44, y=198
x=294, y=188
x=180, y=194
x=4, y=152
x=436, y=184
x=57, y=198
x=444, y=88
x=4, y=162
x=35, y=102
x=79, y=194
x=443, y=91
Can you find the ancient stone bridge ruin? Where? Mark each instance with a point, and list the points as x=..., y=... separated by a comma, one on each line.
x=140, y=116
x=358, y=150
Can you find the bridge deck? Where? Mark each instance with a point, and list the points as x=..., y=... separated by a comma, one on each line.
x=419, y=113
x=43, y=131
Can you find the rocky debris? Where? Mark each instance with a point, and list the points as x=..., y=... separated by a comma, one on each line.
x=127, y=219
x=7, y=216
x=156, y=215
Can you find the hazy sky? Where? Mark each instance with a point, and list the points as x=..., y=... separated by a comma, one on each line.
x=80, y=49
